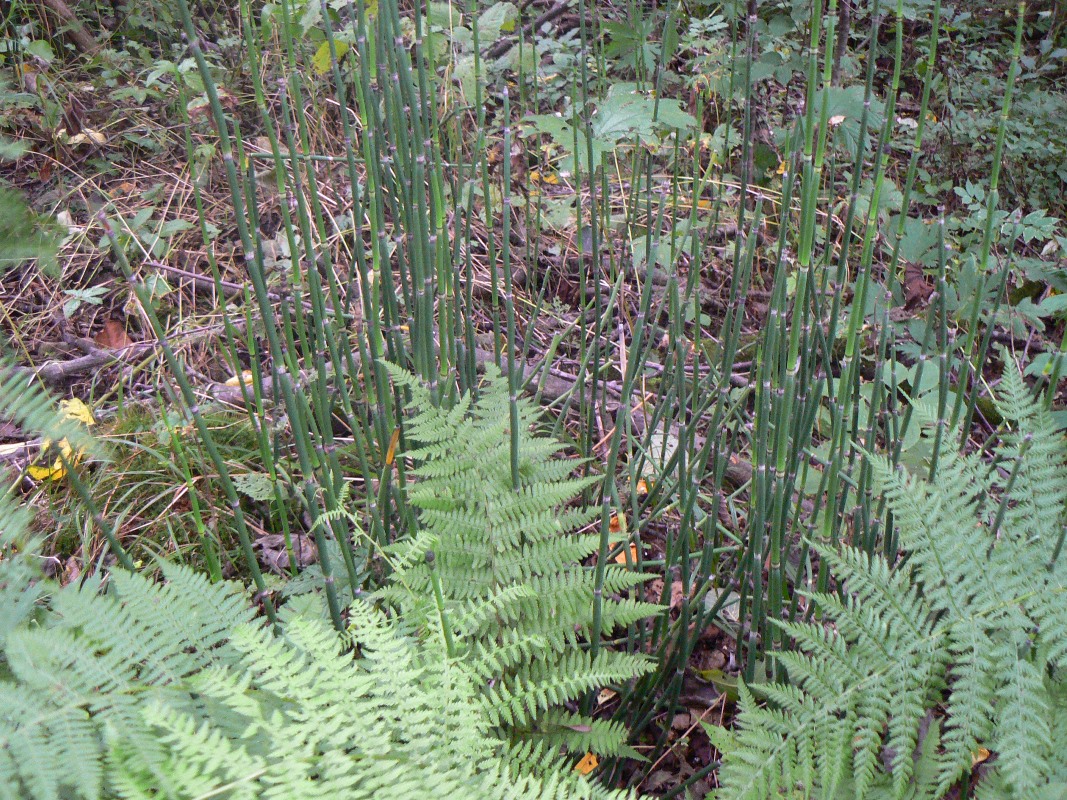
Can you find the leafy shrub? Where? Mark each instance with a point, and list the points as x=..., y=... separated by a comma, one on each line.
x=1035, y=147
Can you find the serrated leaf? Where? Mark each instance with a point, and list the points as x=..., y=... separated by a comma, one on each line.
x=627, y=111
x=498, y=18
x=254, y=485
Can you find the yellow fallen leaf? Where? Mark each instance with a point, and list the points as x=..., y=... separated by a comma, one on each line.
x=76, y=410
x=550, y=178
x=68, y=409
x=587, y=764
x=53, y=473
x=980, y=755
x=245, y=378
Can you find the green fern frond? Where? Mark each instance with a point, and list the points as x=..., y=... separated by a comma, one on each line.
x=958, y=646
x=24, y=403
x=519, y=700
x=35, y=735
x=509, y=561
x=19, y=588
x=252, y=714
x=578, y=734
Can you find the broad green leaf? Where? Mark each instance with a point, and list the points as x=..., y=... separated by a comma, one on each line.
x=498, y=18
x=321, y=60
x=24, y=234
x=627, y=111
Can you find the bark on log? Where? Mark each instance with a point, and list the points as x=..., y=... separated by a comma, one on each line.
x=74, y=30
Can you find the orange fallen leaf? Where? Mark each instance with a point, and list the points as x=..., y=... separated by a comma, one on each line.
x=587, y=764
x=390, y=454
x=621, y=557
x=113, y=336
x=617, y=523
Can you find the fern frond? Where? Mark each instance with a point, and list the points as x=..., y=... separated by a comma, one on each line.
x=519, y=700
x=35, y=736
x=1023, y=737
x=577, y=734
x=958, y=646
x=509, y=560
x=19, y=588
x=23, y=402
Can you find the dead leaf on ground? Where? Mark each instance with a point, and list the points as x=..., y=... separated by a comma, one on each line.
x=604, y=695
x=275, y=557
x=113, y=336
x=681, y=722
x=655, y=592
x=72, y=570
x=49, y=464
x=246, y=377
x=917, y=290
x=587, y=764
